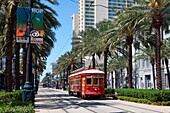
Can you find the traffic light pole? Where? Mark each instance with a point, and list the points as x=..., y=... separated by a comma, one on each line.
x=28, y=93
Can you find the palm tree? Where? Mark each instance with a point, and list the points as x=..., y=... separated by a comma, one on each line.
x=17, y=66
x=68, y=62
x=129, y=21
x=118, y=63
x=11, y=10
x=103, y=28
x=2, y=29
x=49, y=23
x=159, y=12
x=89, y=40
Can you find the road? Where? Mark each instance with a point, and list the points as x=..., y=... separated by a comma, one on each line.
x=57, y=101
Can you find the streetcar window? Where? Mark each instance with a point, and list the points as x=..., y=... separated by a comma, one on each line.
x=95, y=80
x=77, y=81
x=88, y=81
x=101, y=81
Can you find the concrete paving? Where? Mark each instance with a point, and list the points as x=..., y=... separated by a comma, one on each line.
x=58, y=101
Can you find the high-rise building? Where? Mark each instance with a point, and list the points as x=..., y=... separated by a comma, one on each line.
x=75, y=25
x=53, y=67
x=94, y=11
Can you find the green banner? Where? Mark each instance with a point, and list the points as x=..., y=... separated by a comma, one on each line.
x=29, y=23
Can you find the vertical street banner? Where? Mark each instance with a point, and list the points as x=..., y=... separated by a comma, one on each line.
x=29, y=24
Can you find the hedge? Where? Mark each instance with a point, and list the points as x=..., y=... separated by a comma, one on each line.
x=11, y=102
x=149, y=94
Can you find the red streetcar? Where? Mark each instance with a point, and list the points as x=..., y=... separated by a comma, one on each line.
x=86, y=83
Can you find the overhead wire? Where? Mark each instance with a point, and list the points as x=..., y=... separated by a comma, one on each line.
x=74, y=1
x=69, y=37
x=75, y=29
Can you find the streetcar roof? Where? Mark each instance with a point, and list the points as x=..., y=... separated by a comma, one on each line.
x=91, y=71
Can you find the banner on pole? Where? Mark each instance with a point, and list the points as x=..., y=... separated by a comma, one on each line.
x=29, y=23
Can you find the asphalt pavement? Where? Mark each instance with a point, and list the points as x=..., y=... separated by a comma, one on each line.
x=50, y=100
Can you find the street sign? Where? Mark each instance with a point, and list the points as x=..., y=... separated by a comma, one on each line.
x=29, y=26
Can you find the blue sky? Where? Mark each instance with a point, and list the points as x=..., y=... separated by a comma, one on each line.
x=65, y=9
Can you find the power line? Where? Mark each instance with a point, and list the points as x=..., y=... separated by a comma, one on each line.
x=66, y=42
x=63, y=46
x=69, y=37
x=75, y=29
x=74, y=1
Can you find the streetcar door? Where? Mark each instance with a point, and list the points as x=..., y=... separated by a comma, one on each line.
x=83, y=85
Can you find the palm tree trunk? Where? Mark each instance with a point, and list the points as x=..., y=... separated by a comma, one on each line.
x=116, y=80
x=81, y=62
x=158, y=61
x=93, y=60
x=17, y=74
x=112, y=80
x=121, y=76
x=129, y=40
x=60, y=79
x=153, y=72
x=105, y=66
x=168, y=73
x=68, y=73
x=9, y=56
x=157, y=21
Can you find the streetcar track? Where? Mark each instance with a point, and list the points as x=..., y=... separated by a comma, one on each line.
x=143, y=108
x=111, y=104
x=67, y=103
x=124, y=110
x=74, y=103
x=84, y=106
x=54, y=102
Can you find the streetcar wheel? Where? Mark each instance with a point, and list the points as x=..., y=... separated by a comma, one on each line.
x=78, y=94
x=84, y=97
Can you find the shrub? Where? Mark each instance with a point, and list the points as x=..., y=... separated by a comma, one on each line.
x=166, y=103
x=11, y=102
x=151, y=95
x=17, y=109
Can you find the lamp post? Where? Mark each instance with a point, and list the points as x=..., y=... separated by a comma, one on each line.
x=28, y=93
x=157, y=22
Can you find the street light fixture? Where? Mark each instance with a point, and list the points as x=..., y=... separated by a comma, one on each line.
x=157, y=22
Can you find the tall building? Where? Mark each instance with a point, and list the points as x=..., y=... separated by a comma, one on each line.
x=91, y=12
x=94, y=11
x=75, y=25
x=53, y=67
